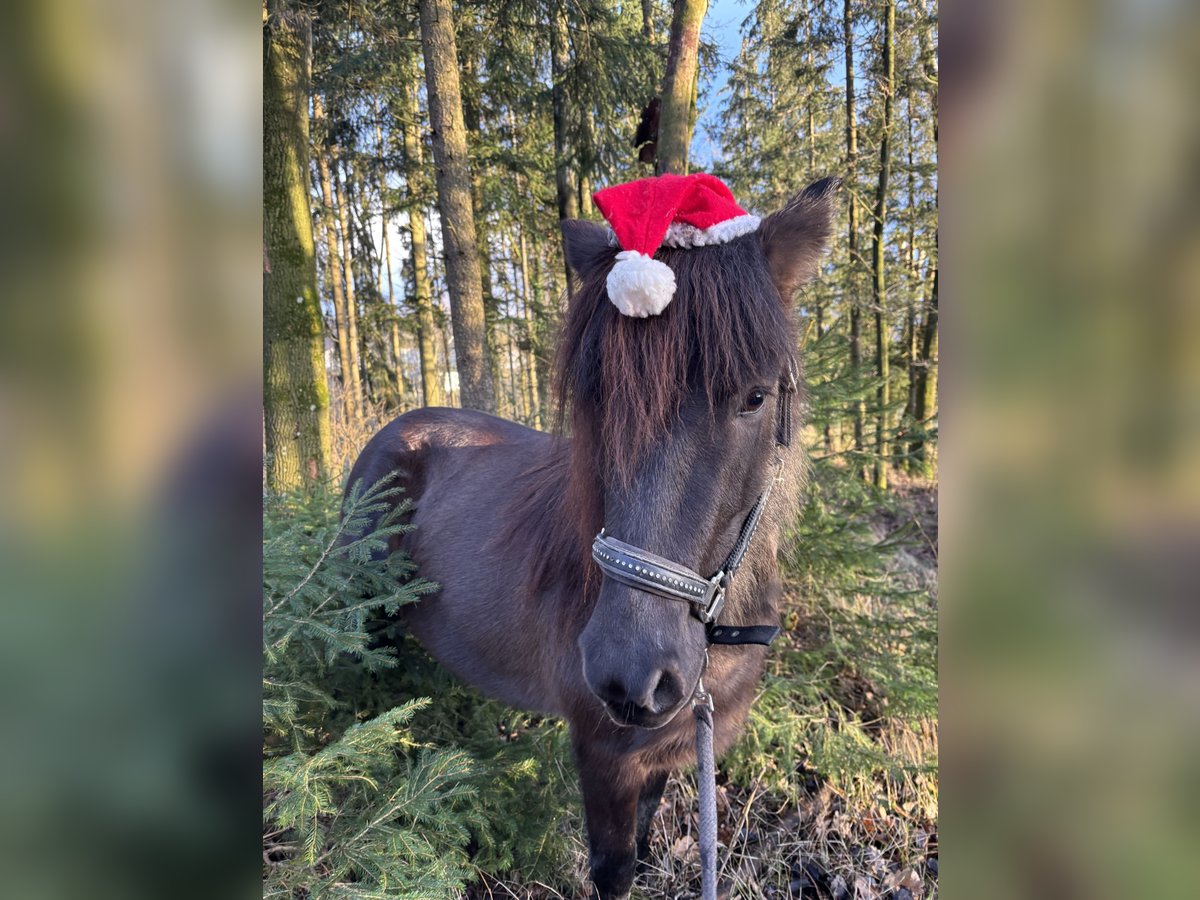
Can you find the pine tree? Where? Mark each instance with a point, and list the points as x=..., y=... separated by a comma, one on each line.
x=341, y=818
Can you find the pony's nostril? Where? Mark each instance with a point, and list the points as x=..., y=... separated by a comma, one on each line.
x=667, y=692
x=613, y=693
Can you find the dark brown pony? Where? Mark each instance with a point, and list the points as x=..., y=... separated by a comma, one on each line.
x=673, y=439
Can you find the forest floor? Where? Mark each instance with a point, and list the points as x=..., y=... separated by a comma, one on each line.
x=839, y=801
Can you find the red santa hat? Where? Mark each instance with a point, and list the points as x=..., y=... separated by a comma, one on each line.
x=673, y=210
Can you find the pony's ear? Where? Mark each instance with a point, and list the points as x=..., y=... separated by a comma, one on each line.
x=794, y=238
x=586, y=245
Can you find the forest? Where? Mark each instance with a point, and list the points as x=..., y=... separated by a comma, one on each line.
x=419, y=156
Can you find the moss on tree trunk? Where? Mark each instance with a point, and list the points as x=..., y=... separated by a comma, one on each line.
x=295, y=390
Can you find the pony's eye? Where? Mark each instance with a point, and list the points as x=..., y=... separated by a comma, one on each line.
x=754, y=401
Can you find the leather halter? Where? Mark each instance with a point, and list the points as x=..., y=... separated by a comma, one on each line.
x=655, y=574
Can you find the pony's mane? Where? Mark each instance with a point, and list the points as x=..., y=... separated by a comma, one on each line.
x=620, y=381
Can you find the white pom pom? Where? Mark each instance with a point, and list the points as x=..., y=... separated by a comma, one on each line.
x=640, y=285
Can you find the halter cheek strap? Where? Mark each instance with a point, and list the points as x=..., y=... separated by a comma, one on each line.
x=655, y=574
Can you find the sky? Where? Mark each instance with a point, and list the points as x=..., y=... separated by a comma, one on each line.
x=722, y=26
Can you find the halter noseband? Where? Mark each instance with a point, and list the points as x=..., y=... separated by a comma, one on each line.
x=654, y=574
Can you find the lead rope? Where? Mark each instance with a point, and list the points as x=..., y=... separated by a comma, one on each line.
x=702, y=704
x=706, y=780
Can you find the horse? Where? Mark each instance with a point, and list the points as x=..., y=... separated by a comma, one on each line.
x=674, y=435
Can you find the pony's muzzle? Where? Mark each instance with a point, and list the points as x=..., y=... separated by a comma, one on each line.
x=647, y=702
x=641, y=655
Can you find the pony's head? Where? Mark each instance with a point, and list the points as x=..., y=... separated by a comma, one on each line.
x=674, y=419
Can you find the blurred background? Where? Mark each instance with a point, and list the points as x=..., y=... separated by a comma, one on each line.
x=130, y=447
x=1071, y=449
x=131, y=437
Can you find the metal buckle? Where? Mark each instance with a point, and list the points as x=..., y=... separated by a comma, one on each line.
x=714, y=599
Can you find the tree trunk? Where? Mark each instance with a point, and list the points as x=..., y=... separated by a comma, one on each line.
x=372, y=316
x=431, y=378
x=385, y=266
x=295, y=389
x=925, y=450
x=883, y=396
x=678, y=110
x=860, y=411
x=587, y=160
x=530, y=344
x=544, y=311
x=530, y=338
x=564, y=181
x=587, y=163
x=437, y=281
x=515, y=392
x=648, y=21
x=808, y=101
x=911, y=339
x=334, y=274
x=826, y=431
x=926, y=399
x=354, y=395
x=463, y=275
x=483, y=243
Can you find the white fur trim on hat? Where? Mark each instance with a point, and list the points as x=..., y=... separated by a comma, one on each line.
x=640, y=285
x=683, y=235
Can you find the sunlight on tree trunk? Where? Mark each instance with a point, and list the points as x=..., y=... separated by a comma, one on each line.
x=483, y=243
x=587, y=161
